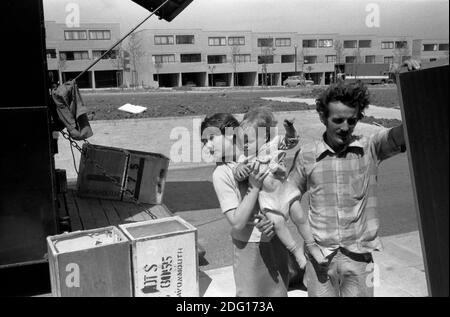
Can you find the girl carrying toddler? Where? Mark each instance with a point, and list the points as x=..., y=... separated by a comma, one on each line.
x=259, y=141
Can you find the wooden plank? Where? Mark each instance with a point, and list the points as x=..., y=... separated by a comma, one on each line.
x=135, y=211
x=122, y=211
x=72, y=208
x=91, y=213
x=110, y=212
x=424, y=99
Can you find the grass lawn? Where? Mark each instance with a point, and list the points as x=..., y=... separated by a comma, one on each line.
x=103, y=105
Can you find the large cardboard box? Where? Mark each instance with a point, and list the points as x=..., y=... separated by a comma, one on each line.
x=164, y=257
x=121, y=174
x=90, y=263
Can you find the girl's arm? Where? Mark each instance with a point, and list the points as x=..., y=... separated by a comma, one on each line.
x=239, y=216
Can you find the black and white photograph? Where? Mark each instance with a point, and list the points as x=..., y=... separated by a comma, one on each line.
x=231, y=151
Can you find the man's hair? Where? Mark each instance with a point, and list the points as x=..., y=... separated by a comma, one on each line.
x=261, y=117
x=220, y=121
x=354, y=95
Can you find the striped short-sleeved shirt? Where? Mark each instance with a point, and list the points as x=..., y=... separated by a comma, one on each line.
x=342, y=188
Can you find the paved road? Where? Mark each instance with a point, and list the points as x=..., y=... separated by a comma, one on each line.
x=190, y=194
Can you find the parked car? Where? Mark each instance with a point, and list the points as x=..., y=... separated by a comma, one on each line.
x=297, y=81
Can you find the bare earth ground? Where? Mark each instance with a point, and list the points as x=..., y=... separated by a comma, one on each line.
x=103, y=105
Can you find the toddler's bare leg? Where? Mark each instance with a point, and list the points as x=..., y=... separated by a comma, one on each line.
x=282, y=231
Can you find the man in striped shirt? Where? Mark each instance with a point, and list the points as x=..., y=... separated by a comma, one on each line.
x=340, y=173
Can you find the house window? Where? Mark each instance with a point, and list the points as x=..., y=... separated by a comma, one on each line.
x=164, y=59
x=310, y=59
x=283, y=42
x=430, y=47
x=236, y=40
x=389, y=59
x=287, y=58
x=217, y=59
x=75, y=35
x=217, y=41
x=370, y=59
x=350, y=44
x=310, y=43
x=387, y=45
x=242, y=58
x=51, y=53
x=433, y=59
x=401, y=44
x=110, y=55
x=266, y=42
x=330, y=59
x=443, y=47
x=99, y=35
x=73, y=56
x=191, y=58
x=325, y=43
x=265, y=59
x=185, y=39
x=350, y=59
x=365, y=43
x=163, y=39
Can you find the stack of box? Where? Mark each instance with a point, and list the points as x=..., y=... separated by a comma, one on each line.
x=149, y=258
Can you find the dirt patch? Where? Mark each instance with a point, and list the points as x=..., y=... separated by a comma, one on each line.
x=103, y=106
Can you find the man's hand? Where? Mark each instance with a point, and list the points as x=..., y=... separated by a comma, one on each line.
x=265, y=226
x=411, y=64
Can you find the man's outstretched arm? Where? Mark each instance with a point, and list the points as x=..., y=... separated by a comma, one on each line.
x=397, y=135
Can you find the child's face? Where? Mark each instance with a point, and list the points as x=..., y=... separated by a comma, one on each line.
x=250, y=139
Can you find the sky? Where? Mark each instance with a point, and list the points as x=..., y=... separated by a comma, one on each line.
x=419, y=18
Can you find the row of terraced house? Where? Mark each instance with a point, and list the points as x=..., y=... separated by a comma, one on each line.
x=175, y=58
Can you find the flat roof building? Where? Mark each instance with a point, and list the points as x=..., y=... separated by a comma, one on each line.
x=71, y=50
x=194, y=57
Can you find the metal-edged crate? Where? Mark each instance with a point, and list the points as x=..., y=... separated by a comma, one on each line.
x=90, y=263
x=121, y=174
x=164, y=257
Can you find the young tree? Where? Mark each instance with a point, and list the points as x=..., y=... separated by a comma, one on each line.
x=357, y=61
x=135, y=51
x=401, y=51
x=339, y=49
x=267, y=53
x=158, y=65
x=119, y=63
x=304, y=52
x=235, y=50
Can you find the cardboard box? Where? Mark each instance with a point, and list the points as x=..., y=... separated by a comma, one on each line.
x=137, y=175
x=90, y=263
x=164, y=257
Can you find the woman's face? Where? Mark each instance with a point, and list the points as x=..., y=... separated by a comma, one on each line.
x=221, y=147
